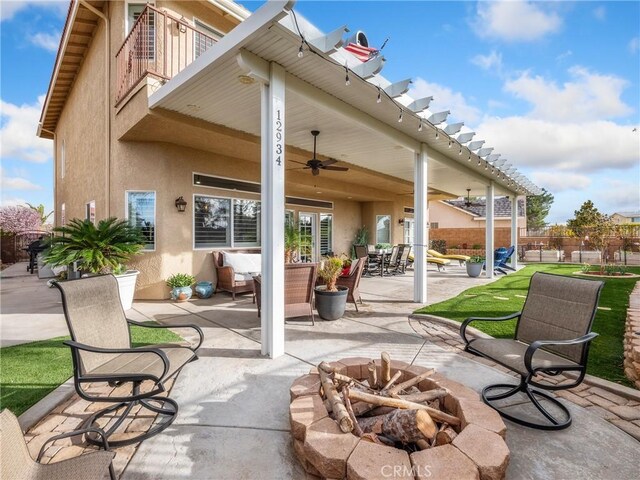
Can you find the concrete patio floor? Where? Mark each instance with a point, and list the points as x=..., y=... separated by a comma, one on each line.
x=233, y=419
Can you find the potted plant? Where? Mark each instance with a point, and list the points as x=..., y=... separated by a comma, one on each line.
x=474, y=266
x=346, y=265
x=331, y=300
x=292, y=241
x=180, y=285
x=98, y=249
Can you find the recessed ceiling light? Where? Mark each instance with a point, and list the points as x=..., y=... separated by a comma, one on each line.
x=318, y=192
x=246, y=79
x=349, y=197
x=193, y=106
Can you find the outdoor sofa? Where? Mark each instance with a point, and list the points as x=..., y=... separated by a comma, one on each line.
x=235, y=270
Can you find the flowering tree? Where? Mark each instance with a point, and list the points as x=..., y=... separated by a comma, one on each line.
x=596, y=228
x=16, y=219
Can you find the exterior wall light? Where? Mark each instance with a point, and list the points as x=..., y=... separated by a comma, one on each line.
x=181, y=204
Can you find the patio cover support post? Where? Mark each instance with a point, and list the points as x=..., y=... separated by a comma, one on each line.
x=272, y=224
x=489, y=227
x=421, y=239
x=514, y=230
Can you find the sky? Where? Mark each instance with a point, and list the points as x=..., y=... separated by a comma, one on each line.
x=552, y=86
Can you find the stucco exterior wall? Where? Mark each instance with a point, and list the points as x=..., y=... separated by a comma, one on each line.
x=447, y=216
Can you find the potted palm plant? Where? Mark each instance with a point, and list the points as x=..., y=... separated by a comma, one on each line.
x=331, y=300
x=180, y=285
x=98, y=249
x=474, y=266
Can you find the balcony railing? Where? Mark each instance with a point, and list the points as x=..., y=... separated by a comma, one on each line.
x=159, y=44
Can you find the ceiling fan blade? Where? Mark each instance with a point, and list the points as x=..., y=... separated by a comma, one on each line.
x=337, y=169
x=315, y=172
x=326, y=163
x=306, y=168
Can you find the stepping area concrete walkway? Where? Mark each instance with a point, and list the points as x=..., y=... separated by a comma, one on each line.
x=233, y=419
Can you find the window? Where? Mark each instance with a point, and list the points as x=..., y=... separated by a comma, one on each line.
x=141, y=213
x=205, y=38
x=246, y=223
x=90, y=211
x=289, y=217
x=225, y=222
x=383, y=228
x=433, y=225
x=62, y=160
x=326, y=233
x=409, y=230
x=63, y=218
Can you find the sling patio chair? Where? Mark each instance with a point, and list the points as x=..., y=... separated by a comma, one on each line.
x=460, y=258
x=102, y=353
x=16, y=462
x=352, y=282
x=371, y=264
x=552, y=336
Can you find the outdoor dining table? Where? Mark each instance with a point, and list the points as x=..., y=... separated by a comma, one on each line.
x=380, y=258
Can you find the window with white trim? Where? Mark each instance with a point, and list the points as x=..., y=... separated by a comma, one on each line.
x=383, y=229
x=225, y=222
x=63, y=218
x=141, y=213
x=326, y=233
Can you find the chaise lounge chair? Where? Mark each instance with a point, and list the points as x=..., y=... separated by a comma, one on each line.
x=460, y=258
x=102, y=353
x=552, y=336
x=438, y=262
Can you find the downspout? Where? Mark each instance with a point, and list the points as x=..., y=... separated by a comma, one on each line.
x=55, y=169
x=107, y=93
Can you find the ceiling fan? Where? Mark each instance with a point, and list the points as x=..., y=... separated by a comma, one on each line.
x=316, y=165
x=468, y=202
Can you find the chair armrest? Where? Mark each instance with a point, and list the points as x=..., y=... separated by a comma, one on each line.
x=195, y=327
x=531, y=350
x=226, y=276
x=88, y=348
x=82, y=431
x=465, y=324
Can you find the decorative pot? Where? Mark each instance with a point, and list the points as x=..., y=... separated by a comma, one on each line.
x=127, y=287
x=204, y=289
x=474, y=269
x=331, y=305
x=181, y=294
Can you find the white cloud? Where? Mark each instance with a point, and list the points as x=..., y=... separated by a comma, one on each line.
x=48, y=41
x=588, y=96
x=600, y=13
x=12, y=202
x=16, y=183
x=515, y=20
x=493, y=61
x=618, y=195
x=563, y=56
x=11, y=7
x=18, y=132
x=634, y=45
x=445, y=99
x=580, y=147
x=558, y=183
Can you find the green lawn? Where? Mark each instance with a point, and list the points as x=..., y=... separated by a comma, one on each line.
x=30, y=371
x=507, y=295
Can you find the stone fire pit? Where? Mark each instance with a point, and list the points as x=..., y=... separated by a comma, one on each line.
x=477, y=452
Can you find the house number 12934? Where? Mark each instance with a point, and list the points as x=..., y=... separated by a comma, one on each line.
x=278, y=133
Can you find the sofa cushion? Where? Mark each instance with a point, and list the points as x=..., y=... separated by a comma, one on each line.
x=243, y=262
x=243, y=277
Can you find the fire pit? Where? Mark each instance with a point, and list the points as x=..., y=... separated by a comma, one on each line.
x=359, y=419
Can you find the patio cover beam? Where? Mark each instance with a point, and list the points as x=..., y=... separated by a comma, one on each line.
x=489, y=227
x=421, y=235
x=272, y=224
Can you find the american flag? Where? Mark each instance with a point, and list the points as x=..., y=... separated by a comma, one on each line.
x=363, y=53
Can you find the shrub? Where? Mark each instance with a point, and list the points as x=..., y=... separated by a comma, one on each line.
x=476, y=259
x=329, y=272
x=439, y=246
x=476, y=246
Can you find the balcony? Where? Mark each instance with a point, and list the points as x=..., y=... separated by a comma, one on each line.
x=159, y=44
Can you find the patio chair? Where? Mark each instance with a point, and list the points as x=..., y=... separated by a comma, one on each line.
x=371, y=265
x=16, y=462
x=552, y=336
x=501, y=256
x=352, y=282
x=461, y=258
x=392, y=262
x=101, y=352
x=403, y=259
x=299, y=281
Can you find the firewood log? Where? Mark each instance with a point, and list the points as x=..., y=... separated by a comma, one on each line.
x=373, y=375
x=401, y=425
x=426, y=396
x=445, y=436
x=422, y=444
x=338, y=408
x=409, y=383
x=403, y=404
x=393, y=380
x=379, y=411
x=385, y=368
